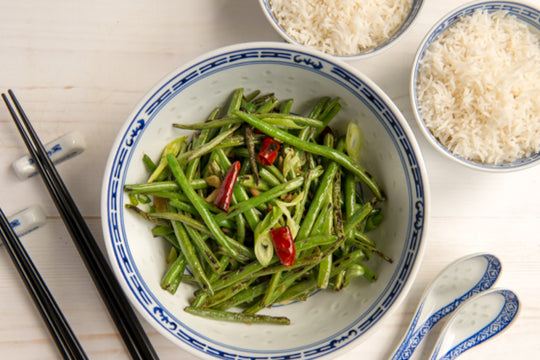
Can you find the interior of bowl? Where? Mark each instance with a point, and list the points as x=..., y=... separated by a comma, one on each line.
x=524, y=13
x=328, y=321
x=411, y=16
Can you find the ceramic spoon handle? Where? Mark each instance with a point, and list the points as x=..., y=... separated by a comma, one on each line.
x=416, y=333
x=478, y=320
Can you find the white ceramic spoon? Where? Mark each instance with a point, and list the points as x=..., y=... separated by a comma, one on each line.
x=476, y=321
x=459, y=281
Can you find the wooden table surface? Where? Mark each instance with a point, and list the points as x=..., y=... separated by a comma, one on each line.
x=83, y=65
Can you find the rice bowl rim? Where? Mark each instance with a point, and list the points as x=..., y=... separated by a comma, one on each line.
x=522, y=11
x=405, y=26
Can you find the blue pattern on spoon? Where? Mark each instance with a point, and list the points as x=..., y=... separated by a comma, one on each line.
x=476, y=321
x=450, y=289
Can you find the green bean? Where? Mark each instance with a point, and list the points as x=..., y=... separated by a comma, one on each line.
x=353, y=271
x=323, y=222
x=275, y=172
x=249, y=97
x=146, y=216
x=173, y=276
x=373, y=221
x=349, y=195
x=321, y=150
x=239, y=192
x=148, y=163
x=240, y=228
x=289, y=122
x=246, y=272
x=248, y=106
x=173, y=216
x=236, y=101
x=272, y=285
x=285, y=282
x=201, y=297
x=284, y=119
x=236, y=250
x=317, y=201
x=359, y=216
x=329, y=113
x=250, y=144
x=314, y=241
x=223, y=295
x=298, y=290
x=261, y=99
x=275, y=266
x=208, y=146
x=318, y=108
x=368, y=273
x=249, y=181
x=205, y=125
x=325, y=227
x=362, y=241
x=358, y=269
x=206, y=253
x=237, y=317
x=262, y=198
x=183, y=206
x=162, y=230
x=363, y=238
x=191, y=257
x=285, y=107
x=338, y=216
x=268, y=106
x=323, y=274
x=170, y=195
x=193, y=165
x=268, y=177
x=148, y=188
x=189, y=280
x=245, y=296
x=162, y=186
x=339, y=281
x=311, y=175
x=230, y=142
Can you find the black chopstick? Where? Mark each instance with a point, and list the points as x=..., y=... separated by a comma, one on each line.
x=111, y=293
x=63, y=336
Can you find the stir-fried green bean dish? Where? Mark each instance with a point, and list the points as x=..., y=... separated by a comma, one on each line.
x=261, y=206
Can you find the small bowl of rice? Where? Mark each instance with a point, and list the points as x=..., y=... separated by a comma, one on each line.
x=475, y=85
x=346, y=29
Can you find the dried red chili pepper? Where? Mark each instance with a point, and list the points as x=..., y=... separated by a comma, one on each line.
x=223, y=198
x=268, y=152
x=284, y=245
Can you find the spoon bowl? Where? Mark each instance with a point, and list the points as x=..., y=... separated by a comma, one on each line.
x=458, y=282
x=476, y=321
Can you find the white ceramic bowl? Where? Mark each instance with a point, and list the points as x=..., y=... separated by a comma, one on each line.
x=328, y=323
x=523, y=12
x=403, y=28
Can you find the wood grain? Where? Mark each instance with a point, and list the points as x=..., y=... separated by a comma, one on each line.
x=84, y=65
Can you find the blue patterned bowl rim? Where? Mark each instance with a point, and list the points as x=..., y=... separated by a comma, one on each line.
x=112, y=206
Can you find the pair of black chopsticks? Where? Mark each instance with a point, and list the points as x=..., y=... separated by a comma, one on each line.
x=111, y=293
x=63, y=336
